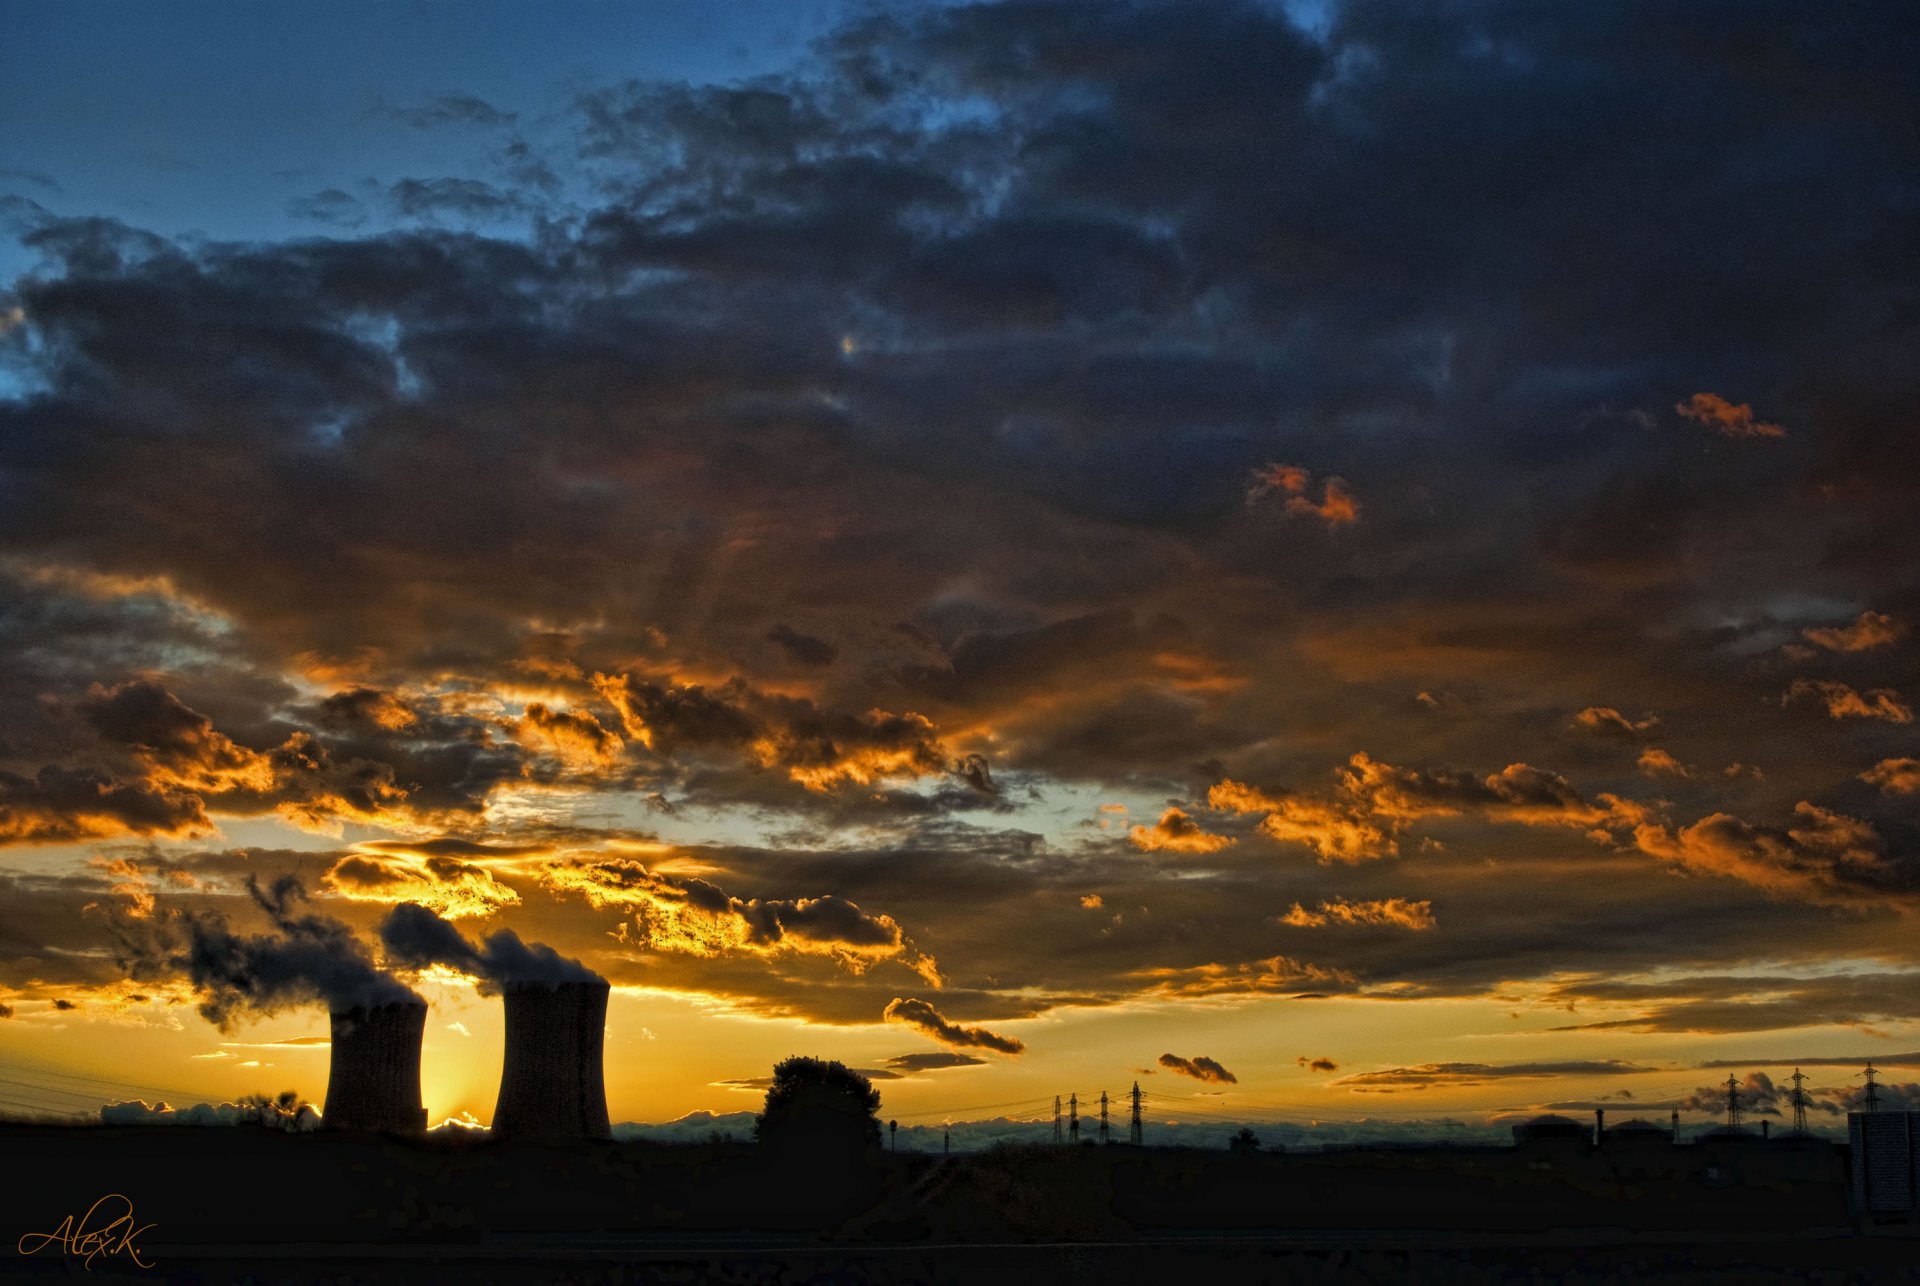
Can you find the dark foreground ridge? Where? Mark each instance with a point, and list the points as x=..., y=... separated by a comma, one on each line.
x=257, y=1205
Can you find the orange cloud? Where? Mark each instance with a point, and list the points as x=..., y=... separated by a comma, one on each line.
x=1517, y=793
x=1655, y=762
x=1605, y=721
x=819, y=749
x=1176, y=832
x=1337, y=506
x=1278, y=973
x=1726, y=418
x=1823, y=856
x=1869, y=630
x=176, y=746
x=1895, y=776
x=692, y=917
x=1288, y=478
x=1238, y=797
x=62, y=805
x=1374, y=801
x=445, y=885
x=575, y=736
x=1397, y=912
x=1843, y=702
x=1333, y=830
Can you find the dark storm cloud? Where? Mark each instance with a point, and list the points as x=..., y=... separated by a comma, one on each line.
x=918, y=1013
x=938, y=1060
x=1430, y=1075
x=804, y=649
x=882, y=434
x=1910, y=1059
x=58, y=805
x=1741, y=1003
x=468, y=199
x=1200, y=1069
x=330, y=205
x=449, y=109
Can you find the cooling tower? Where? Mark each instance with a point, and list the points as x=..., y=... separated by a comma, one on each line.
x=374, y=1080
x=551, y=1081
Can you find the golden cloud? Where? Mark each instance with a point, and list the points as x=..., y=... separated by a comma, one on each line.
x=1726, y=418
x=445, y=885
x=1869, y=630
x=1337, y=506
x=1895, y=776
x=576, y=737
x=689, y=916
x=1398, y=912
x=1843, y=702
x=1176, y=832
x=1655, y=762
x=1822, y=856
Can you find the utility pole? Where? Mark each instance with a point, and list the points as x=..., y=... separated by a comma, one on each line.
x=1056, y=1119
x=1799, y=1104
x=1733, y=1102
x=1103, y=1117
x=946, y=1142
x=893, y=1136
x=1873, y=1091
x=1133, y=1127
x=1676, y=1125
x=1073, y=1118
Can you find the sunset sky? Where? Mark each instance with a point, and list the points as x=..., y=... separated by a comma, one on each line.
x=1336, y=560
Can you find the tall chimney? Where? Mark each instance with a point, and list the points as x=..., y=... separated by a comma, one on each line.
x=552, y=1080
x=373, y=1080
x=1599, y=1126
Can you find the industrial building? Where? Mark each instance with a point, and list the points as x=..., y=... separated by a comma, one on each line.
x=552, y=1082
x=1882, y=1162
x=1551, y=1130
x=373, y=1082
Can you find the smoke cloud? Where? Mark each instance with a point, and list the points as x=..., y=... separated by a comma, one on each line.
x=414, y=937
x=308, y=959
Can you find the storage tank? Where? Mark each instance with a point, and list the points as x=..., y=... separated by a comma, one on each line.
x=373, y=1078
x=552, y=1079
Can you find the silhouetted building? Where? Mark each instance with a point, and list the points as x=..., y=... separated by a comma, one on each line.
x=373, y=1081
x=1883, y=1147
x=1551, y=1129
x=552, y=1079
x=1729, y=1135
x=1637, y=1134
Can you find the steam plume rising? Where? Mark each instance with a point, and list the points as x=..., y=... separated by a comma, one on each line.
x=308, y=959
x=414, y=937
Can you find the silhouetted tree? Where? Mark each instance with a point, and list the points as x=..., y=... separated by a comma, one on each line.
x=1244, y=1142
x=820, y=1105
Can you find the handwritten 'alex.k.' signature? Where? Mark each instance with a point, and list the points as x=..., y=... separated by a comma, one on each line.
x=108, y=1228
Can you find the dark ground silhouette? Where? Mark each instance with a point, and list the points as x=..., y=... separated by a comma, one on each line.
x=253, y=1204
